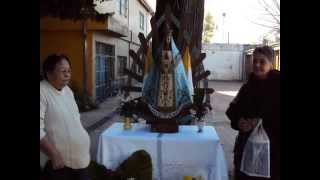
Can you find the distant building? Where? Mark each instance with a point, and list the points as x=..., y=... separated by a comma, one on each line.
x=225, y=61
x=233, y=61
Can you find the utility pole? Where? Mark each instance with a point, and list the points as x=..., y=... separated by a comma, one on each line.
x=84, y=13
x=223, y=26
x=228, y=37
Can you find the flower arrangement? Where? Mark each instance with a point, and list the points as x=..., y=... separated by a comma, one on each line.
x=201, y=108
x=126, y=109
x=131, y=108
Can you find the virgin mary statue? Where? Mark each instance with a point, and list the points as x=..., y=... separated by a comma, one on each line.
x=166, y=89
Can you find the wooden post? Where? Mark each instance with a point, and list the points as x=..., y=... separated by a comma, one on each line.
x=84, y=34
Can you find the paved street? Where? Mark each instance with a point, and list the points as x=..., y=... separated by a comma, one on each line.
x=223, y=95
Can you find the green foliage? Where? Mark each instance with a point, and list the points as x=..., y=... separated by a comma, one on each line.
x=199, y=106
x=198, y=96
x=126, y=109
x=137, y=165
x=208, y=29
x=131, y=107
x=100, y=172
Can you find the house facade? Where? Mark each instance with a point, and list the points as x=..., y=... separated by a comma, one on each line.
x=99, y=51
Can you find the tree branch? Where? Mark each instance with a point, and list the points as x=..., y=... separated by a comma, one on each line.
x=268, y=8
x=277, y=4
x=267, y=26
x=266, y=5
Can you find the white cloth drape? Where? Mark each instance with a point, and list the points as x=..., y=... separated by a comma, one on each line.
x=173, y=155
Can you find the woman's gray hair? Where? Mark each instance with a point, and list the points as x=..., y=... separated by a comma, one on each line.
x=266, y=51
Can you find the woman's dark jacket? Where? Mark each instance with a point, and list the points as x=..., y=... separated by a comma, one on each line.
x=258, y=99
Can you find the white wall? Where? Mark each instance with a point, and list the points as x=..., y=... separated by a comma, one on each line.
x=224, y=61
x=120, y=17
x=123, y=44
x=134, y=19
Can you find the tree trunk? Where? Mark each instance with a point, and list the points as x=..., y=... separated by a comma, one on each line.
x=192, y=10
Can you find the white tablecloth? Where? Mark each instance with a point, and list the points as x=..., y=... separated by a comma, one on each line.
x=173, y=155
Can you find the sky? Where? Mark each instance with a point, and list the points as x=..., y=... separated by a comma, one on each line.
x=238, y=20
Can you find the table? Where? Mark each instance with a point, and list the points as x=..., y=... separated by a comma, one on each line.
x=173, y=155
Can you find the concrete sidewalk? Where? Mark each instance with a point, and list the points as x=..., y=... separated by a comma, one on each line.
x=97, y=121
x=106, y=108
x=91, y=120
x=224, y=93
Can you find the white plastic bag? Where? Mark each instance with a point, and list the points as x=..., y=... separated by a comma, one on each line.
x=256, y=154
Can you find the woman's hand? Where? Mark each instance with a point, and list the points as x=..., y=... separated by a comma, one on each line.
x=253, y=122
x=51, y=151
x=57, y=161
x=246, y=125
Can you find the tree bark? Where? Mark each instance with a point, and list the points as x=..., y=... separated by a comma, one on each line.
x=192, y=11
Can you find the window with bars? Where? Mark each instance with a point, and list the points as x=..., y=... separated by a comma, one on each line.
x=141, y=15
x=122, y=64
x=104, y=70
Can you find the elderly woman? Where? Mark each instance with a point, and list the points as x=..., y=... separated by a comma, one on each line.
x=258, y=98
x=62, y=136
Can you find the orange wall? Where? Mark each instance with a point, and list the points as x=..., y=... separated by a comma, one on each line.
x=66, y=42
x=65, y=36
